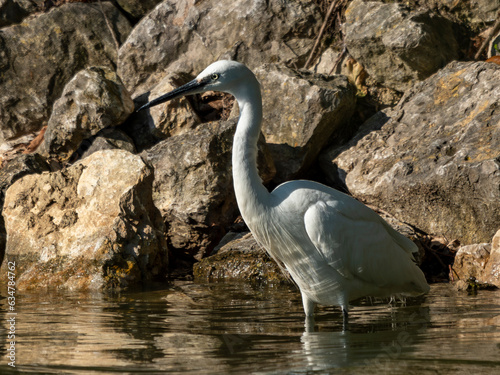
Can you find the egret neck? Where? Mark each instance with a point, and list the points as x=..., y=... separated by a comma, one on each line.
x=251, y=195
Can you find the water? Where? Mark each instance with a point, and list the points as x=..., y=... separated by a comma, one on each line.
x=235, y=328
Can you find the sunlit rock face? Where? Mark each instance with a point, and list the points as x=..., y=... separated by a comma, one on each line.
x=92, y=101
x=398, y=47
x=90, y=226
x=477, y=265
x=189, y=35
x=302, y=111
x=433, y=160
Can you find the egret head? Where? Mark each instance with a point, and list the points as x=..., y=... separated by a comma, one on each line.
x=224, y=75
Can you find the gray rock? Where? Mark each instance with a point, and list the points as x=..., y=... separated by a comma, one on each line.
x=137, y=8
x=93, y=100
x=39, y=56
x=193, y=185
x=90, y=226
x=475, y=14
x=168, y=119
x=186, y=36
x=106, y=139
x=398, y=47
x=433, y=161
x=301, y=112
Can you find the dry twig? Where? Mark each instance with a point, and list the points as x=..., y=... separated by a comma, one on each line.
x=333, y=5
x=493, y=32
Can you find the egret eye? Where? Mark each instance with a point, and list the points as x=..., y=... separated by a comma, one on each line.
x=214, y=77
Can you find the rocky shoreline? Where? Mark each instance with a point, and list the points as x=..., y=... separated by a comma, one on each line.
x=393, y=109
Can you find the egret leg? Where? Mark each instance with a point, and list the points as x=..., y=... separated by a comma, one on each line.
x=308, y=305
x=309, y=310
x=309, y=323
x=345, y=316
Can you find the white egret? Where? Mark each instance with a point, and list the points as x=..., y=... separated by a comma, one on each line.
x=335, y=248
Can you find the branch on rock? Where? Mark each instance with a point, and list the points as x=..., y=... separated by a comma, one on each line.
x=495, y=29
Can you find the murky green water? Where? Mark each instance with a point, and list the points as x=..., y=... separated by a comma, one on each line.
x=233, y=328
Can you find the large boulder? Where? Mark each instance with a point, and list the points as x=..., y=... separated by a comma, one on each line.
x=193, y=187
x=19, y=167
x=186, y=35
x=92, y=101
x=433, y=161
x=398, y=47
x=90, y=226
x=302, y=111
x=39, y=56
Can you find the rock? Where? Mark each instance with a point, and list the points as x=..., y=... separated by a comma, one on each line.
x=370, y=94
x=19, y=167
x=93, y=100
x=398, y=47
x=241, y=259
x=106, y=139
x=492, y=269
x=325, y=64
x=296, y=128
x=39, y=56
x=90, y=226
x=478, y=266
x=475, y=14
x=433, y=161
x=14, y=11
x=137, y=8
x=13, y=148
x=193, y=186
x=471, y=260
x=187, y=36
x=168, y=119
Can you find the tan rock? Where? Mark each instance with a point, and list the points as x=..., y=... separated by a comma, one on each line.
x=90, y=226
x=492, y=270
x=471, y=260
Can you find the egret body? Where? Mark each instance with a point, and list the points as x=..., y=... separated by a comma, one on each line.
x=335, y=248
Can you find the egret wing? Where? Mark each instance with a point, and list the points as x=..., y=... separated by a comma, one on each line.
x=358, y=243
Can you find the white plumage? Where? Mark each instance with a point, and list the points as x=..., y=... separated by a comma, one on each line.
x=335, y=248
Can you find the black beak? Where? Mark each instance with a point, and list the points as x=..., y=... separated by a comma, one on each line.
x=190, y=88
